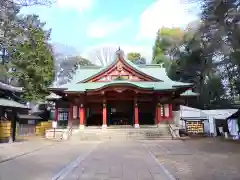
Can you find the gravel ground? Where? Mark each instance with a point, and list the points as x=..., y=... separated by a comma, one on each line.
x=199, y=159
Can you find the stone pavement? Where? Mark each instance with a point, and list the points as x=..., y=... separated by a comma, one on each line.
x=199, y=159
x=46, y=162
x=9, y=151
x=126, y=160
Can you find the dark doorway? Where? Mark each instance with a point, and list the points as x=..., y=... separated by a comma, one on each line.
x=146, y=113
x=120, y=112
x=94, y=114
x=221, y=123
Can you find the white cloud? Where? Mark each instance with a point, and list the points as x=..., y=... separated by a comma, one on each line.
x=165, y=13
x=103, y=27
x=79, y=5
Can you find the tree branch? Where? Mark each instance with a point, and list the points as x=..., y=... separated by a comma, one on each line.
x=5, y=3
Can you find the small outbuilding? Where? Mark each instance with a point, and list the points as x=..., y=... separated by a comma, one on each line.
x=195, y=120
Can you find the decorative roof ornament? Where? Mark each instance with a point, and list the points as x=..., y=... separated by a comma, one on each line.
x=119, y=67
x=120, y=52
x=53, y=96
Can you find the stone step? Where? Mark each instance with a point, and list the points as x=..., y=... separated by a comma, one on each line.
x=134, y=135
x=158, y=133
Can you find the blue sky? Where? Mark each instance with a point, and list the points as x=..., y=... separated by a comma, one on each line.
x=131, y=24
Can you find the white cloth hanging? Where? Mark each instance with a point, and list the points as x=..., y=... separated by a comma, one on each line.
x=233, y=128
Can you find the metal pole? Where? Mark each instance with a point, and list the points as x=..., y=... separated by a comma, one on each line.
x=54, y=134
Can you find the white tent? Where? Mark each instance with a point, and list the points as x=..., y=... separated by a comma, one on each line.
x=209, y=117
x=218, y=114
x=189, y=113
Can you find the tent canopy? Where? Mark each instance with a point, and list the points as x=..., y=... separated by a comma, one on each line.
x=235, y=115
x=194, y=113
x=220, y=113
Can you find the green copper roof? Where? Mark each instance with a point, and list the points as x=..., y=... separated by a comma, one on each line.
x=189, y=93
x=155, y=71
x=163, y=82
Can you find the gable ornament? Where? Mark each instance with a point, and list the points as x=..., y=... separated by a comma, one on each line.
x=119, y=67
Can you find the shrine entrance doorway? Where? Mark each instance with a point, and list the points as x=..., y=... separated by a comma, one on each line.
x=120, y=112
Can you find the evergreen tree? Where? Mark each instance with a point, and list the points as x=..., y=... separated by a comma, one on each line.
x=34, y=63
x=8, y=37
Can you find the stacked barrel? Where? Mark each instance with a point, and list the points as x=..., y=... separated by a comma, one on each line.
x=5, y=131
x=42, y=127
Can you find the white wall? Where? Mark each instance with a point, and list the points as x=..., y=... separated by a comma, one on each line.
x=206, y=126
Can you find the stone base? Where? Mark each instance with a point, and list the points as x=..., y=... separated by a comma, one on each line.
x=104, y=126
x=162, y=125
x=81, y=126
x=136, y=126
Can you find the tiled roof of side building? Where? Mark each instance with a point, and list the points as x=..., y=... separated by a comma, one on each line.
x=189, y=93
x=11, y=103
x=10, y=87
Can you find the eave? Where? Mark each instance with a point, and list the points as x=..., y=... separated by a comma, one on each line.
x=57, y=89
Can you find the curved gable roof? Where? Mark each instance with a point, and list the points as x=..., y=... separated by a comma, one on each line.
x=128, y=64
x=155, y=72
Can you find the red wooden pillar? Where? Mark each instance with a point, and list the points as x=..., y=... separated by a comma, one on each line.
x=81, y=116
x=156, y=114
x=170, y=110
x=104, y=114
x=136, y=120
x=70, y=115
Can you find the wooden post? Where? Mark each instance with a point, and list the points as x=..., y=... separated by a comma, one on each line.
x=104, y=115
x=70, y=115
x=170, y=110
x=56, y=113
x=156, y=114
x=81, y=116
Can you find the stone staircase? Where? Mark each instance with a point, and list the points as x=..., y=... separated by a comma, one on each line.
x=153, y=133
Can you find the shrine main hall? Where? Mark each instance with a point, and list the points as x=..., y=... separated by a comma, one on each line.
x=121, y=93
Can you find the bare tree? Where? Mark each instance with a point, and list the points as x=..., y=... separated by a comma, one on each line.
x=5, y=3
x=102, y=55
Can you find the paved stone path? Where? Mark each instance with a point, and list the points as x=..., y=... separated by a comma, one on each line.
x=11, y=151
x=44, y=163
x=199, y=159
x=119, y=160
